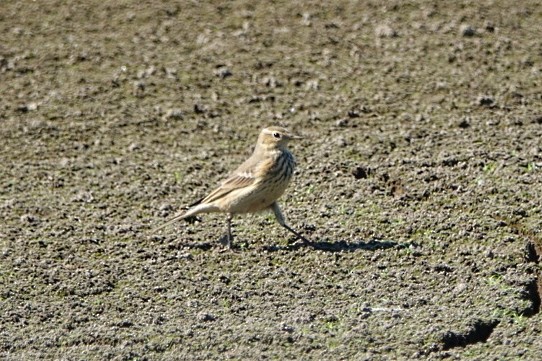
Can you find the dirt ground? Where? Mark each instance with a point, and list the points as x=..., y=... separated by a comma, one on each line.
x=418, y=179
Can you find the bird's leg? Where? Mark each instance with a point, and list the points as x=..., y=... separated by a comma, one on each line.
x=280, y=218
x=229, y=236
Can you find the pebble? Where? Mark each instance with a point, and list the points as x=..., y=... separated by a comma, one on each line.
x=467, y=30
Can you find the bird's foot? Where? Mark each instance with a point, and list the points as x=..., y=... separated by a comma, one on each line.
x=226, y=240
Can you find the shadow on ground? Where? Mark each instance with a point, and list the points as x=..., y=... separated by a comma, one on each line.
x=340, y=246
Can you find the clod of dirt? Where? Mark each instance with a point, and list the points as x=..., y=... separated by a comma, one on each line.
x=174, y=114
x=485, y=100
x=223, y=72
x=361, y=172
x=206, y=317
x=29, y=218
x=464, y=123
x=467, y=30
x=138, y=88
x=27, y=107
x=341, y=123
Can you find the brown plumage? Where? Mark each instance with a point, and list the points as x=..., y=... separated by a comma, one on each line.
x=255, y=185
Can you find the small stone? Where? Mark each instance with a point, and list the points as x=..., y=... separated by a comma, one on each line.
x=287, y=328
x=223, y=72
x=133, y=147
x=125, y=324
x=206, y=317
x=490, y=27
x=520, y=212
x=312, y=85
x=83, y=196
x=485, y=100
x=138, y=88
x=464, y=123
x=467, y=30
x=341, y=142
x=174, y=113
x=342, y=123
x=459, y=288
x=30, y=107
x=385, y=31
x=306, y=20
x=171, y=73
x=165, y=207
x=29, y=218
x=271, y=81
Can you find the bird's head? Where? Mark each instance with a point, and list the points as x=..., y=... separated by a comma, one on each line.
x=275, y=137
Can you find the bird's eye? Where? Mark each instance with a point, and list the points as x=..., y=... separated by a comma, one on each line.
x=276, y=135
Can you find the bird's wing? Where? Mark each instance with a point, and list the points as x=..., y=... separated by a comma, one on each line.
x=243, y=176
x=235, y=181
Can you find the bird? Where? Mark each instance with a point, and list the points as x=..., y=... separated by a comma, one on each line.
x=254, y=186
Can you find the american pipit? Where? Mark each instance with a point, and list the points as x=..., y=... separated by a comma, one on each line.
x=254, y=186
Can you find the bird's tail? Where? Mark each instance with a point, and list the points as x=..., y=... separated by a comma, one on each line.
x=199, y=208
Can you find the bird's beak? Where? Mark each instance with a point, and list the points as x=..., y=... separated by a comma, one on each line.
x=293, y=136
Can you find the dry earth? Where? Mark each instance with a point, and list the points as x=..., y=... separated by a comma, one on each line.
x=419, y=179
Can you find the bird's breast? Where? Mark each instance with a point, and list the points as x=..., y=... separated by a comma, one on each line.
x=272, y=179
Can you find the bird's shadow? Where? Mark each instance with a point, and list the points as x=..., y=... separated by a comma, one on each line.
x=340, y=246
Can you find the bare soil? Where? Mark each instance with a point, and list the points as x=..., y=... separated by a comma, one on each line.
x=419, y=180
